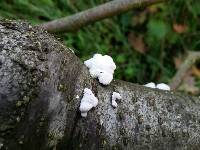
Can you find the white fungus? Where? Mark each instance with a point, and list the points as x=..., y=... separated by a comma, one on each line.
x=115, y=96
x=150, y=85
x=87, y=102
x=1, y=145
x=101, y=67
x=160, y=86
x=163, y=86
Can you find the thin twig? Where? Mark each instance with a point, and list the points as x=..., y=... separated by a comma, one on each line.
x=187, y=64
x=109, y=9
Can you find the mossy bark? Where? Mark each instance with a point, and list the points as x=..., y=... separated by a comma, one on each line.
x=39, y=83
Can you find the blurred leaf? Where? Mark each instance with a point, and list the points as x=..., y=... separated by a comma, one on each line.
x=137, y=42
x=121, y=58
x=177, y=61
x=180, y=28
x=153, y=8
x=196, y=71
x=140, y=18
x=125, y=21
x=193, y=7
x=158, y=28
x=173, y=38
x=129, y=71
x=196, y=8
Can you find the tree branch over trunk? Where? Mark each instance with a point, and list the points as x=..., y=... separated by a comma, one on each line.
x=109, y=9
x=39, y=83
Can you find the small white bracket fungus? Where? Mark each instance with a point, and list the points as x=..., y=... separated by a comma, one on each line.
x=101, y=67
x=150, y=85
x=87, y=102
x=115, y=96
x=160, y=86
x=163, y=86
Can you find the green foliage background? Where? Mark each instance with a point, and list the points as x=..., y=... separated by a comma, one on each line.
x=110, y=36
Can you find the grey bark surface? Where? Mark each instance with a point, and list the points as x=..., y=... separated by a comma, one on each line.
x=39, y=83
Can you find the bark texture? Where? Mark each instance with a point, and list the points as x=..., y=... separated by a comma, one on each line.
x=39, y=83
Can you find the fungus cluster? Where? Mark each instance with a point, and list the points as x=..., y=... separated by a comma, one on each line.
x=101, y=67
x=160, y=86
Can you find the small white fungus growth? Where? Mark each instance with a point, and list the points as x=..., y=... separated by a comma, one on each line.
x=87, y=102
x=1, y=145
x=115, y=96
x=101, y=122
x=77, y=97
x=160, y=86
x=101, y=67
x=150, y=85
x=163, y=86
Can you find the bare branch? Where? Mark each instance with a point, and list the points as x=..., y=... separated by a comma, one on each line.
x=109, y=9
x=187, y=64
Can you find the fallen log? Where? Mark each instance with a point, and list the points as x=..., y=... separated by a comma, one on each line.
x=42, y=83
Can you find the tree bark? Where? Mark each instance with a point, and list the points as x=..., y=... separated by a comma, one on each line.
x=39, y=83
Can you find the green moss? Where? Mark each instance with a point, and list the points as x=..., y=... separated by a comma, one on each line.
x=53, y=139
x=117, y=147
x=134, y=99
x=103, y=143
x=19, y=103
x=26, y=99
x=4, y=127
x=18, y=119
x=61, y=87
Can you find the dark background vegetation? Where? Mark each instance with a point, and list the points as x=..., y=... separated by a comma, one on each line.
x=147, y=44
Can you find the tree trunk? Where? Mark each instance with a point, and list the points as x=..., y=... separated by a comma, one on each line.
x=39, y=83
